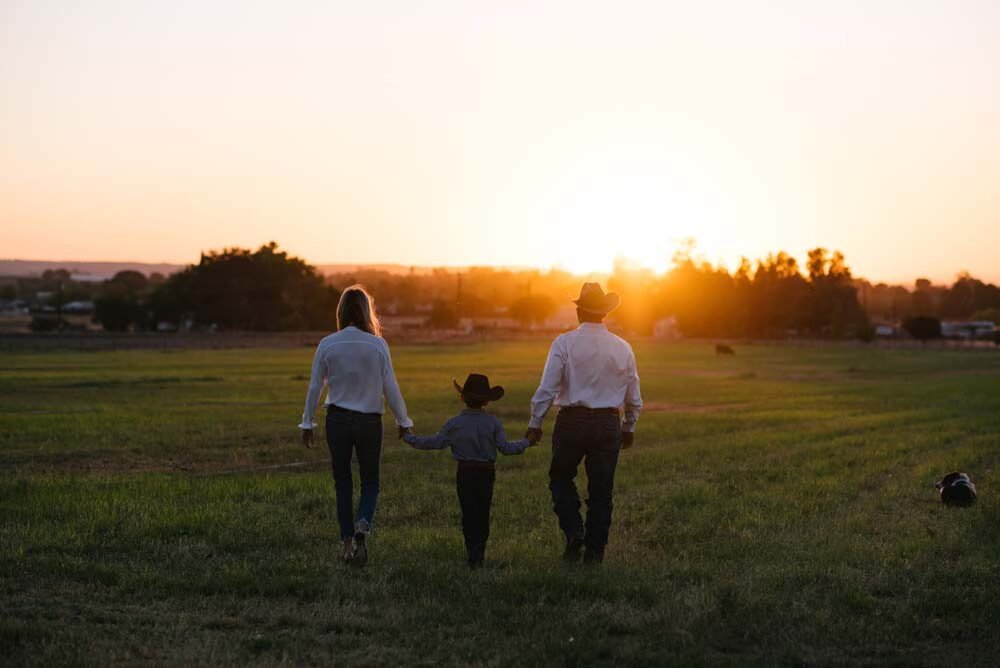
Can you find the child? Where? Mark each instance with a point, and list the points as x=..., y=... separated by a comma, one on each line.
x=474, y=437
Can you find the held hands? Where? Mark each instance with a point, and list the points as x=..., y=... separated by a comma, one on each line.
x=628, y=438
x=403, y=431
x=533, y=435
x=307, y=437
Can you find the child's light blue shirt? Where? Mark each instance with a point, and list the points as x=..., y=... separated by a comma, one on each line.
x=473, y=435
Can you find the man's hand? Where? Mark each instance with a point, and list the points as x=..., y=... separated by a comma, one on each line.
x=628, y=438
x=403, y=431
x=307, y=437
x=533, y=435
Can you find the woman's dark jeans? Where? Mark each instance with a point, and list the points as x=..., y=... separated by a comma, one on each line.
x=347, y=432
x=595, y=438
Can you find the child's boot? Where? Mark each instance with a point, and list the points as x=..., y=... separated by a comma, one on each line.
x=477, y=554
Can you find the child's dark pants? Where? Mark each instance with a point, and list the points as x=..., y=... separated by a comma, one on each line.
x=474, y=481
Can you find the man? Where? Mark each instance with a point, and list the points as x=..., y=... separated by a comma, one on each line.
x=590, y=374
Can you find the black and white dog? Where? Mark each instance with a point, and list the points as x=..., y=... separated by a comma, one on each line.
x=956, y=489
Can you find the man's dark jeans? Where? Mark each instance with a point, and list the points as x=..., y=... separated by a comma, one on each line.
x=595, y=438
x=474, y=482
x=347, y=432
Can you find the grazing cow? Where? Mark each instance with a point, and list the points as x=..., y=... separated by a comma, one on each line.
x=956, y=489
x=721, y=349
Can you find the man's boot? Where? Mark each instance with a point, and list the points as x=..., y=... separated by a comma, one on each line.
x=574, y=546
x=593, y=556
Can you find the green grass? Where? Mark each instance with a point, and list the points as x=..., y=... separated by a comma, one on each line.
x=777, y=509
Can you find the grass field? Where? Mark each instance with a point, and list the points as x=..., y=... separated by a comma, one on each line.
x=777, y=508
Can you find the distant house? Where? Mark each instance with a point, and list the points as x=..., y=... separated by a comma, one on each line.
x=483, y=323
x=402, y=322
x=79, y=307
x=969, y=329
x=14, y=307
x=563, y=318
x=886, y=331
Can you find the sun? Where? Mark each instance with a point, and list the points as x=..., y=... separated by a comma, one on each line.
x=636, y=222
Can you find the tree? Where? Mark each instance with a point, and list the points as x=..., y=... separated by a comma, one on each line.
x=968, y=295
x=56, y=280
x=52, y=277
x=987, y=314
x=704, y=299
x=833, y=308
x=640, y=293
x=532, y=309
x=133, y=282
x=443, y=316
x=923, y=328
x=779, y=297
x=923, y=301
x=119, y=312
x=120, y=306
x=238, y=289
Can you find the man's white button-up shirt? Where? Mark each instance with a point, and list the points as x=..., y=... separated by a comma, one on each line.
x=589, y=367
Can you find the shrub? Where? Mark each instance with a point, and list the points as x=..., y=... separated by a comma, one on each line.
x=923, y=328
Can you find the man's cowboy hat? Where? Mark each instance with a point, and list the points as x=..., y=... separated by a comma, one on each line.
x=477, y=388
x=593, y=300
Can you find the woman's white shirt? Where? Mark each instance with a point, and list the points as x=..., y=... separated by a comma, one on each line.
x=356, y=369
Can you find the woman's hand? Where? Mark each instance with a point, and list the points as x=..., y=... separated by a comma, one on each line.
x=307, y=437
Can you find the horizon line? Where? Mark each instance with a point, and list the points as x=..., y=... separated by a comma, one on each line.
x=936, y=280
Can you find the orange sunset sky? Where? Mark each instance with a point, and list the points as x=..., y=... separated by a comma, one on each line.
x=513, y=133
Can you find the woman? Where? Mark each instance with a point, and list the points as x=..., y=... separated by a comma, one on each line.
x=355, y=366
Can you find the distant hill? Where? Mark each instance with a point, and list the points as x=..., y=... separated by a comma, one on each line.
x=99, y=271
x=328, y=269
x=83, y=271
x=399, y=269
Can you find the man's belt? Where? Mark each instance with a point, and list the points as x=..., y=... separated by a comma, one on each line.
x=583, y=410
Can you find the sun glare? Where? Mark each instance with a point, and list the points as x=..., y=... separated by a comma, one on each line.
x=636, y=222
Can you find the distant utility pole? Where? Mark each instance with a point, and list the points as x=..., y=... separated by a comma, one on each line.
x=458, y=296
x=59, y=305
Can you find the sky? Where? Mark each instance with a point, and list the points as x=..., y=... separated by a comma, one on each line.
x=517, y=133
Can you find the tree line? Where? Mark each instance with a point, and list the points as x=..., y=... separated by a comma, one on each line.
x=772, y=297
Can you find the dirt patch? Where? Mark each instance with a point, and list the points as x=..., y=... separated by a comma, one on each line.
x=84, y=464
x=152, y=380
x=665, y=407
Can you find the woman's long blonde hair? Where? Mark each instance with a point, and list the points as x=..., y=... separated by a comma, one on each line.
x=357, y=308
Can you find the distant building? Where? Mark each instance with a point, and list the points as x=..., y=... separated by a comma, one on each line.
x=886, y=331
x=564, y=318
x=398, y=323
x=969, y=329
x=79, y=307
x=14, y=307
x=482, y=323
